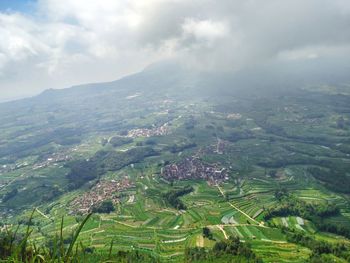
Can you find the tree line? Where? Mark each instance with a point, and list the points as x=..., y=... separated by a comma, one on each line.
x=230, y=250
x=319, y=248
x=172, y=197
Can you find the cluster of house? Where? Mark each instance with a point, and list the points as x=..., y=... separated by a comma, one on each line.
x=5, y=168
x=103, y=190
x=234, y=116
x=194, y=168
x=11, y=167
x=157, y=131
x=54, y=159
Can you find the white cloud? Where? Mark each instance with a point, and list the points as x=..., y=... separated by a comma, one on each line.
x=18, y=41
x=205, y=29
x=77, y=41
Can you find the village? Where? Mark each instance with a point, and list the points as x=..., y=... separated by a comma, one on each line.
x=194, y=168
x=53, y=159
x=103, y=190
x=143, y=132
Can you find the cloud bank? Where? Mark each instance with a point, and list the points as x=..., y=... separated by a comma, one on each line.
x=69, y=42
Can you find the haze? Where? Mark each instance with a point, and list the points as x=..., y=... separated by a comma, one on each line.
x=57, y=44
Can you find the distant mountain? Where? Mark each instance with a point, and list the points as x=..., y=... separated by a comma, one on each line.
x=172, y=79
x=106, y=105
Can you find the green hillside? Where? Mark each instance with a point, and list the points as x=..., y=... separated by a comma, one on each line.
x=176, y=176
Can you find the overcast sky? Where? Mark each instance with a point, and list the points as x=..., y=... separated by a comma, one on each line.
x=59, y=43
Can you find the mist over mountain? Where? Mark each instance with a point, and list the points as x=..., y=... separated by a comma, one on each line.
x=173, y=78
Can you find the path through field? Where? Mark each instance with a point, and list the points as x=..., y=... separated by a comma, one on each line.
x=222, y=230
x=239, y=210
x=41, y=213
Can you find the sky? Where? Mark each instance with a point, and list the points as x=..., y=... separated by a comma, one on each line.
x=17, y=5
x=60, y=43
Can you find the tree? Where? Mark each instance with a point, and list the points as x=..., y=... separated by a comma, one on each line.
x=281, y=193
x=106, y=207
x=207, y=233
x=273, y=173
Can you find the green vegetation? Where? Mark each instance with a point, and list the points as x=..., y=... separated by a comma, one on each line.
x=102, y=162
x=336, y=180
x=81, y=172
x=18, y=248
x=283, y=196
x=119, y=141
x=207, y=233
x=231, y=250
x=10, y=195
x=172, y=197
x=319, y=248
x=106, y=206
x=293, y=206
